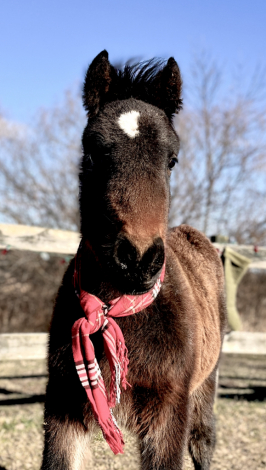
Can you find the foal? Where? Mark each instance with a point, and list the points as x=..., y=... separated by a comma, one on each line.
x=174, y=343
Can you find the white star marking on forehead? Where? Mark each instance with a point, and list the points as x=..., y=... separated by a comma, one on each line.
x=128, y=122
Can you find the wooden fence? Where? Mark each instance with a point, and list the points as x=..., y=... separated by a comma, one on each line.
x=34, y=345
x=39, y=239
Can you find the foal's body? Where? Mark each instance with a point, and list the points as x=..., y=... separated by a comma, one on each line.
x=173, y=345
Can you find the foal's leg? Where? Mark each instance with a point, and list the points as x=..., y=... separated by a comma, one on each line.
x=162, y=433
x=201, y=442
x=65, y=445
x=68, y=425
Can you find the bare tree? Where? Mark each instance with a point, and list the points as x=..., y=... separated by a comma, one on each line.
x=39, y=167
x=220, y=185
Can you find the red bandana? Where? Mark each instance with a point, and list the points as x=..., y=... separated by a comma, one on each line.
x=99, y=316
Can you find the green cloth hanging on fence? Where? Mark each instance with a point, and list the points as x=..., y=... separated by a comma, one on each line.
x=235, y=266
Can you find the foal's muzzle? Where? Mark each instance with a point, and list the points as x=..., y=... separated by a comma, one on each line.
x=136, y=274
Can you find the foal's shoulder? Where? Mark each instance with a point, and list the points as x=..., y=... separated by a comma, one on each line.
x=189, y=243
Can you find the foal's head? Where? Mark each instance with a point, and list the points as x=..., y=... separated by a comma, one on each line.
x=130, y=148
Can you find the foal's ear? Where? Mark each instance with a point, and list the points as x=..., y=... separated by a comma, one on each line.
x=96, y=84
x=167, y=88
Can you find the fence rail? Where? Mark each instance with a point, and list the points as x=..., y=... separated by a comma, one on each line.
x=32, y=346
x=41, y=239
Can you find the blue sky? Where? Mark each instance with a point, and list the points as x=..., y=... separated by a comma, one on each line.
x=45, y=46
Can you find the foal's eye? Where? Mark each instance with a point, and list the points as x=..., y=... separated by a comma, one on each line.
x=173, y=160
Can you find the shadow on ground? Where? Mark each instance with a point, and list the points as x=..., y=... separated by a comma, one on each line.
x=242, y=393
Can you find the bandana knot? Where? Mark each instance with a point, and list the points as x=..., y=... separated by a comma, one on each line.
x=100, y=316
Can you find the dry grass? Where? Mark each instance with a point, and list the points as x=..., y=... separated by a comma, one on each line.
x=241, y=424
x=240, y=439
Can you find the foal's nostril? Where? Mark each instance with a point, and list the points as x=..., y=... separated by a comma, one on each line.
x=153, y=259
x=125, y=254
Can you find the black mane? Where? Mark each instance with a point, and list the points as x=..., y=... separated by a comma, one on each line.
x=135, y=80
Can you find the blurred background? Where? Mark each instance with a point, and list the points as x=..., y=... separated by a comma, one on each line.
x=45, y=48
x=219, y=185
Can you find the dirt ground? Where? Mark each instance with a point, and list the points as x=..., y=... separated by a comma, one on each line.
x=240, y=415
